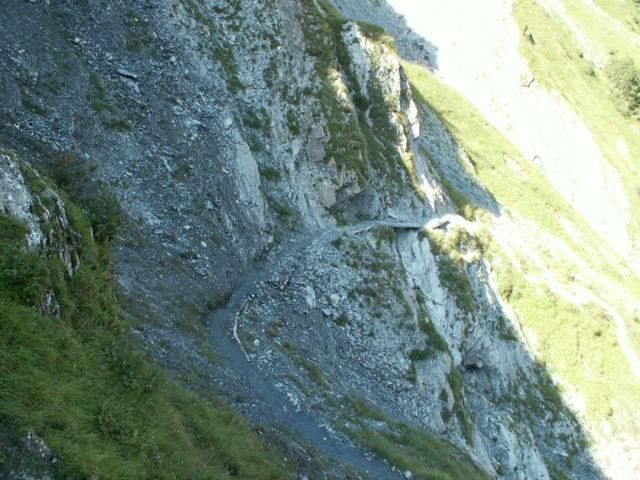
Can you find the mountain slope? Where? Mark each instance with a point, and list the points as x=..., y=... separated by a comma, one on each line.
x=364, y=263
x=561, y=254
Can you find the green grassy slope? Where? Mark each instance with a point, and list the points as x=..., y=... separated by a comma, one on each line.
x=76, y=381
x=591, y=361
x=558, y=62
x=409, y=448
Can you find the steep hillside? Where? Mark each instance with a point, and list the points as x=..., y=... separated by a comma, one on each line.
x=554, y=113
x=375, y=247
x=75, y=393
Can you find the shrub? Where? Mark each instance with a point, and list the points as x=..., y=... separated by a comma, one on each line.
x=23, y=273
x=292, y=123
x=418, y=354
x=272, y=329
x=337, y=242
x=269, y=173
x=624, y=75
x=106, y=215
x=68, y=171
x=361, y=102
x=385, y=234
x=284, y=212
x=342, y=320
x=455, y=280
x=340, y=217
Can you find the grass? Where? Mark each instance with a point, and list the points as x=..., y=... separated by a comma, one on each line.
x=98, y=99
x=459, y=199
x=376, y=33
x=592, y=364
x=556, y=63
x=587, y=357
x=454, y=278
x=361, y=135
x=455, y=382
x=97, y=96
x=384, y=234
x=381, y=288
x=529, y=192
x=435, y=340
x=418, y=354
x=220, y=52
x=282, y=211
x=423, y=454
x=312, y=368
x=76, y=380
x=526, y=192
x=409, y=448
x=346, y=145
x=269, y=173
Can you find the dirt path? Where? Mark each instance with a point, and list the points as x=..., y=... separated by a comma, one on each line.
x=273, y=402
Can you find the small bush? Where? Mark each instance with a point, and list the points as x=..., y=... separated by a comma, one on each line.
x=624, y=75
x=68, y=171
x=505, y=329
x=454, y=279
x=376, y=33
x=384, y=234
x=34, y=107
x=337, y=242
x=340, y=217
x=218, y=301
x=23, y=273
x=417, y=354
x=118, y=124
x=272, y=329
x=361, y=102
x=292, y=123
x=106, y=215
x=284, y=212
x=251, y=120
x=269, y=173
x=342, y=320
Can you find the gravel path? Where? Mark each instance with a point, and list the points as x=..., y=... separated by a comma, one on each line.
x=227, y=346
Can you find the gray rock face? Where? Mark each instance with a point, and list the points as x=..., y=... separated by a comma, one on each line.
x=15, y=198
x=36, y=447
x=58, y=237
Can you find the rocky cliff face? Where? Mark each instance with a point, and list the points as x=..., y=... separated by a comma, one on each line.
x=289, y=207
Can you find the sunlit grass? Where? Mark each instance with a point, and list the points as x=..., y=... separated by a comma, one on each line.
x=591, y=361
x=558, y=63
